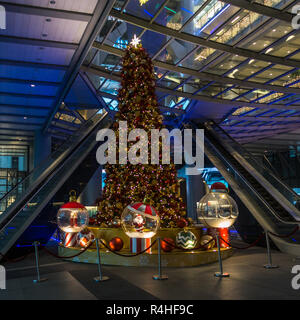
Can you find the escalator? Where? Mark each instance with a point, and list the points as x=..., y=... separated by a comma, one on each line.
x=38, y=196
x=270, y=201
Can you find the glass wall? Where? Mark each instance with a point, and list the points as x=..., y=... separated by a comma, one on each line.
x=13, y=168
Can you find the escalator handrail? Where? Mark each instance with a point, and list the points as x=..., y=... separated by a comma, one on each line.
x=249, y=186
x=66, y=143
x=258, y=164
x=256, y=193
x=59, y=172
x=19, y=203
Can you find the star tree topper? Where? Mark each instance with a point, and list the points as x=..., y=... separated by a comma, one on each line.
x=135, y=41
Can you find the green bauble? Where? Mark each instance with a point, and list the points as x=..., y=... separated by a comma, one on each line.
x=186, y=240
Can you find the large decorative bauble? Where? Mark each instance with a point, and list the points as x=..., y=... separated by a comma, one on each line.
x=72, y=217
x=116, y=244
x=207, y=242
x=217, y=210
x=140, y=220
x=167, y=244
x=186, y=240
x=182, y=223
x=85, y=237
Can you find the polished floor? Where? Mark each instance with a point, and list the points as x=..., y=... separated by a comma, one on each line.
x=248, y=280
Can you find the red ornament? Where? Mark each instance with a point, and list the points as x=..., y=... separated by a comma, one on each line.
x=224, y=234
x=182, y=223
x=72, y=205
x=219, y=186
x=92, y=221
x=116, y=244
x=168, y=245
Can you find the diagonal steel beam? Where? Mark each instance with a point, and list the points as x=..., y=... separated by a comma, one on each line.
x=261, y=9
x=101, y=73
x=200, y=41
x=203, y=75
x=97, y=21
x=93, y=90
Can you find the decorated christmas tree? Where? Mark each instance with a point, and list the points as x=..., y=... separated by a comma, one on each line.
x=128, y=183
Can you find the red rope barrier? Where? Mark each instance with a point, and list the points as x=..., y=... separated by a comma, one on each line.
x=247, y=247
x=128, y=255
x=70, y=257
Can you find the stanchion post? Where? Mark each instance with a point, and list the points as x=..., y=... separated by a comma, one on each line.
x=37, y=262
x=159, y=276
x=220, y=274
x=101, y=277
x=269, y=265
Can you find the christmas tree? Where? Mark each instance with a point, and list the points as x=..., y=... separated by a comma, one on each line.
x=129, y=183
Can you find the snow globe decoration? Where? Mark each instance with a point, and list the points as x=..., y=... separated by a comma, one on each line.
x=140, y=220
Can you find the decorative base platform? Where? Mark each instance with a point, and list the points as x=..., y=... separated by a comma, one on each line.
x=175, y=258
x=170, y=259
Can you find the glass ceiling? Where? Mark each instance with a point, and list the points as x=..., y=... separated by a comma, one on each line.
x=206, y=50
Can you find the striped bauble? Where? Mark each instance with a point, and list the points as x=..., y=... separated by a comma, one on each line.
x=186, y=240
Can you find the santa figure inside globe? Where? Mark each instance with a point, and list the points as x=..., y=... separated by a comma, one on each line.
x=140, y=220
x=139, y=223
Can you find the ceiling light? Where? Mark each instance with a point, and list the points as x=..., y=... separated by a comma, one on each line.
x=251, y=61
x=233, y=21
x=25, y=118
x=271, y=74
x=254, y=43
x=290, y=37
x=274, y=30
x=269, y=50
x=32, y=85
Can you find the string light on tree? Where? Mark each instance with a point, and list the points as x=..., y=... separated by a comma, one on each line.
x=127, y=183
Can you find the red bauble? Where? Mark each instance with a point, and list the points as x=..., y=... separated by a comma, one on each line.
x=92, y=221
x=181, y=223
x=219, y=186
x=167, y=246
x=116, y=244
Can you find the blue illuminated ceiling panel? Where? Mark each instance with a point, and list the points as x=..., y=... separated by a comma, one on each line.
x=40, y=48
